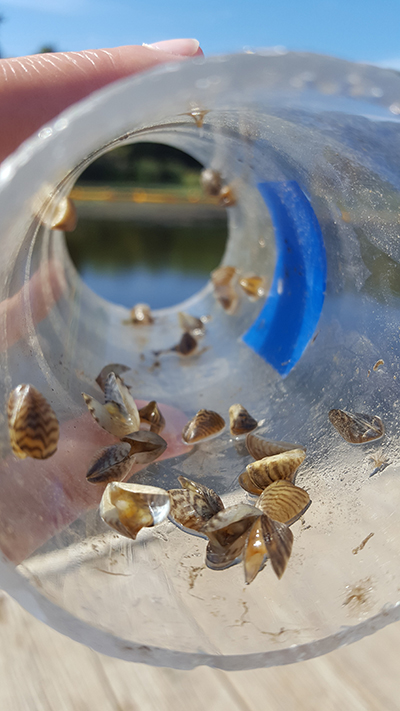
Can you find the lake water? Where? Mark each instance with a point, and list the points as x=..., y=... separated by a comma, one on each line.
x=160, y=262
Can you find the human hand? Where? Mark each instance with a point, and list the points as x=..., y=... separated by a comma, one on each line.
x=38, y=498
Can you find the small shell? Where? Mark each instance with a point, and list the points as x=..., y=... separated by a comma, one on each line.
x=146, y=446
x=241, y=422
x=211, y=181
x=267, y=537
x=253, y=287
x=227, y=533
x=191, y=324
x=198, y=115
x=141, y=315
x=204, y=425
x=119, y=415
x=110, y=464
x=357, y=427
x=283, y=501
x=65, y=217
x=129, y=507
x=116, y=368
x=193, y=505
x=260, y=448
x=227, y=196
x=247, y=484
x=224, y=290
x=186, y=346
x=32, y=423
x=151, y=415
x=264, y=472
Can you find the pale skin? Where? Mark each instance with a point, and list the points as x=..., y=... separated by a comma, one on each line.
x=34, y=90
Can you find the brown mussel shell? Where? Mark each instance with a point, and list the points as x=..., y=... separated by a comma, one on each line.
x=146, y=446
x=116, y=368
x=129, y=507
x=227, y=532
x=151, y=415
x=260, y=448
x=247, y=484
x=65, y=217
x=140, y=315
x=187, y=345
x=264, y=472
x=283, y=501
x=119, y=415
x=191, y=324
x=204, y=425
x=32, y=424
x=253, y=287
x=211, y=181
x=194, y=504
x=357, y=427
x=224, y=291
x=110, y=464
x=240, y=421
x=267, y=538
x=227, y=197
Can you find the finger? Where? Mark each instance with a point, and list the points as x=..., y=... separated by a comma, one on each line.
x=41, y=497
x=35, y=89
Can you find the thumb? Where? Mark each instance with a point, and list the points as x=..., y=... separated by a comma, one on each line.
x=35, y=89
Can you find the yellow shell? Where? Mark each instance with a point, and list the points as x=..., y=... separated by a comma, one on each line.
x=129, y=507
x=283, y=501
x=260, y=448
x=227, y=196
x=240, y=421
x=204, y=425
x=357, y=427
x=224, y=291
x=198, y=115
x=33, y=426
x=65, y=217
x=151, y=415
x=253, y=287
x=227, y=532
x=267, y=538
x=264, y=472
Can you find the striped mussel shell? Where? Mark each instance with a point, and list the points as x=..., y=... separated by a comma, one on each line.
x=194, y=504
x=267, y=538
x=119, y=414
x=204, y=425
x=283, y=501
x=357, y=427
x=227, y=532
x=117, y=368
x=33, y=426
x=128, y=508
x=263, y=472
x=260, y=448
x=110, y=464
x=151, y=415
x=240, y=421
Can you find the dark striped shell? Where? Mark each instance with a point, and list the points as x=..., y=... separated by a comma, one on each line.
x=205, y=424
x=32, y=423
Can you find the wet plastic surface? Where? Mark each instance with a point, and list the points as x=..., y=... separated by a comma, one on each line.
x=332, y=128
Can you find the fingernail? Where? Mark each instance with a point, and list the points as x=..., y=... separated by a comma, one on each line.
x=182, y=47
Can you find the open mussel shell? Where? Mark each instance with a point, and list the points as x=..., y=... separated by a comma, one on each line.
x=204, y=425
x=240, y=421
x=283, y=501
x=110, y=464
x=194, y=504
x=151, y=415
x=267, y=538
x=260, y=448
x=129, y=507
x=146, y=446
x=32, y=424
x=357, y=427
x=265, y=471
x=227, y=533
x=116, y=368
x=119, y=415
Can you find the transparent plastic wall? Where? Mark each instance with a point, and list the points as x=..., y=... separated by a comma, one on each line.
x=310, y=146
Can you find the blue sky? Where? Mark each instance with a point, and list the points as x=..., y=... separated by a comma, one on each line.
x=364, y=30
